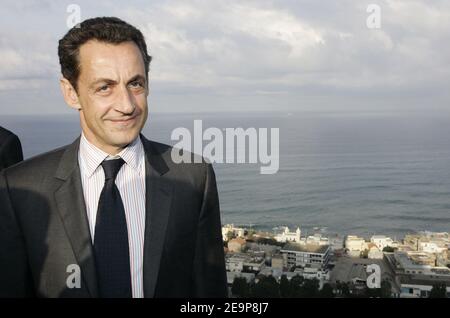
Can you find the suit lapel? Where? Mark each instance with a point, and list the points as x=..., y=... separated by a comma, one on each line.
x=158, y=200
x=71, y=206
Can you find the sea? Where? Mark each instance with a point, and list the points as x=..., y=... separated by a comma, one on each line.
x=339, y=174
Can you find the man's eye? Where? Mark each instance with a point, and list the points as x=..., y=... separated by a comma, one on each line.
x=103, y=88
x=136, y=84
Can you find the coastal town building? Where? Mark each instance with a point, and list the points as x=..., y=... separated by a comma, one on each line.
x=295, y=254
x=230, y=230
x=382, y=241
x=374, y=252
x=236, y=245
x=420, y=286
x=418, y=263
x=242, y=262
x=431, y=247
x=355, y=245
x=317, y=239
x=287, y=236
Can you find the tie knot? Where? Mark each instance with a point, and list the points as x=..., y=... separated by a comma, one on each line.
x=112, y=167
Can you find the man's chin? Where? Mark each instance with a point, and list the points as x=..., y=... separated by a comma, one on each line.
x=122, y=140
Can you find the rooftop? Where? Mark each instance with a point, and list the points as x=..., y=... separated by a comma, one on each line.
x=375, y=237
x=244, y=257
x=238, y=240
x=423, y=280
x=354, y=238
x=309, y=248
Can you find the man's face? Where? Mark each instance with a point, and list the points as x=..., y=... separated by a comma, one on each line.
x=112, y=93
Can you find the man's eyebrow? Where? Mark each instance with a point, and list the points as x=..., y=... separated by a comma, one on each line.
x=111, y=81
x=137, y=77
x=103, y=80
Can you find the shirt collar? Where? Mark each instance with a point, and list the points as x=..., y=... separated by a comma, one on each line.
x=91, y=156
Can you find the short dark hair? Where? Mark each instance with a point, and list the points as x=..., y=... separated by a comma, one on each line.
x=104, y=29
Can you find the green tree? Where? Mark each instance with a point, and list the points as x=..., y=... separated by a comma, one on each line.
x=386, y=289
x=269, y=241
x=371, y=292
x=310, y=288
x=338, y=287
x=326, y=291
x=266, y=287
x=388, y=249
x=295, y=286
x=240, y=287
x=438, y=291
x=285, y=287
x=345, y=290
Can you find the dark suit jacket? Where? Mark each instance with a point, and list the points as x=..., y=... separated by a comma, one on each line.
x=10, y=149
x=44, y=228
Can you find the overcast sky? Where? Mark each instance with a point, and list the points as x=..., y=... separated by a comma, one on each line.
x=285, y=55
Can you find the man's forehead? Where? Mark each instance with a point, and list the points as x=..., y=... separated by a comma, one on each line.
x=106, y=58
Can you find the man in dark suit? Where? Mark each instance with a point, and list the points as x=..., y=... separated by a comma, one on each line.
x=112, y=214
x=10, y=149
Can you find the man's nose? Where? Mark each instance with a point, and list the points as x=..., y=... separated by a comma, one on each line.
x=125, y=102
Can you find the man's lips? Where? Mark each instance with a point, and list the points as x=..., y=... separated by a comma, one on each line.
x=122, y=120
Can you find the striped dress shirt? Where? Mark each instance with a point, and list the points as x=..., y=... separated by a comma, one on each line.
x=131, y=184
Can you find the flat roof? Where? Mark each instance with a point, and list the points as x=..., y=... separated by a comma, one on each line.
x=308, y=248
x=423, y=280
x=380, y=237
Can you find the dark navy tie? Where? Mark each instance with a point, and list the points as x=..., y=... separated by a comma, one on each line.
x=111, y=238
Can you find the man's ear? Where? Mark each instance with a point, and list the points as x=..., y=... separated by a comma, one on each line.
x=70, y=94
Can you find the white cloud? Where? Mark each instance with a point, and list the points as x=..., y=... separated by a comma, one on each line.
x=201, y=43
x=25, y=63
x=273, y=24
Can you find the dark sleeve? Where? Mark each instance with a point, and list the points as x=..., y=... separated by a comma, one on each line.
x=10, y=152
x=209, y=274
x=15, y=279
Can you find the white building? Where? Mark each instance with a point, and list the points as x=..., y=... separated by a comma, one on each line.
x=374, y=252
x=254, y=265
x=235, y=262
x=317, y=239
x=415, y=287
x=235, y=231
x=287, y=236
x=431, y=247
x=244, y=263
x=413, y=262
x=355, y=245
x=295, y=254
x=310, y=272
x=382, y=241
